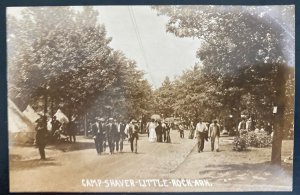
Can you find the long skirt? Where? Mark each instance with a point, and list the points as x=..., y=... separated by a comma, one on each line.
x=152, y=135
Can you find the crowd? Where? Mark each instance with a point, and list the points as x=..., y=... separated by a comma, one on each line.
x=112, y=133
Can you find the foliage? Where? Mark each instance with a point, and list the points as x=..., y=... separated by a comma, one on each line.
x=61, y=58
x=252, y=139
x=241, y=53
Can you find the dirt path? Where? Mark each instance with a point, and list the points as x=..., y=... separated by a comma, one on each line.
x=70, y=168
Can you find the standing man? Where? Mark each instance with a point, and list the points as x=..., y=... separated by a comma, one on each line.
x=72, y=130
x=41, y=135
x=97, y=136
x=111, y=131
x=121, y=130
x=133, y=135
x=181, y=130
x=116, y=136
x=214, y=135
x=55, y=125
x=200, y=134
x=242, y=126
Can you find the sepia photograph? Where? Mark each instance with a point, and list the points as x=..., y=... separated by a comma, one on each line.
x=151, y=98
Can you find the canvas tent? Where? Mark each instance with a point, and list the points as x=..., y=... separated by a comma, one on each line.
x=61, y=116
x=31, y=114
x=20, y=128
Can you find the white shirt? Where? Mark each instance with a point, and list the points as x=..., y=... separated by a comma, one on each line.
x=126, y=130
x=200, y=127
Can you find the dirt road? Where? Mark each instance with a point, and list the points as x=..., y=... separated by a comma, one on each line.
x=77, y=168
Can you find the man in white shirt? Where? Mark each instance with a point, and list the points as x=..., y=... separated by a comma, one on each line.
x=201, y=129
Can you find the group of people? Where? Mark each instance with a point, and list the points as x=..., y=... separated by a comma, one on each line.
x=247, y=125
x=158, y=131
x=65, y=131
x=203, y=132
x=57, y=131
x=112, y=133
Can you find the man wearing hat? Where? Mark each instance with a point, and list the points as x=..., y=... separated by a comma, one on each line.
x=133, y=135
x=97, y=130
x=214, y=135
x=201, y=128
x=41, y=135
x=111, y=133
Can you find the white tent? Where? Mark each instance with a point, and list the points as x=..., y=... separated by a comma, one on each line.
x=61, y=116
x=31, y=114
x=19, y=125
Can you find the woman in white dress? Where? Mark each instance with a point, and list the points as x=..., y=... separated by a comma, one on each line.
x=152, y=133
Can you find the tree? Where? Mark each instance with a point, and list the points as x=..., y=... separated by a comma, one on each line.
x=164, y=98
x=66, y=60
x=234, y=40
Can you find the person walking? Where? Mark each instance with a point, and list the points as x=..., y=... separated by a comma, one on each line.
x=181, y=130
x=168, y=137
x=192, y=130
x=201, y=128
x=121, y=130
x=116, y=136
x=133, y=135
x=214, y=135
x=97, y=131
x=41, y=135
x=152, y=133
x=158, y=131
x=111, y=131
x=164, y=132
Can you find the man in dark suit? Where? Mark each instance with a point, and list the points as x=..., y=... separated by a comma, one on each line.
x=133, y=135
x=111, y=131
x=41, y=135
x=98, y=130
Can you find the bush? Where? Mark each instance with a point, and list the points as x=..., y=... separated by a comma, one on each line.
x=251, y=139
x=240, y=143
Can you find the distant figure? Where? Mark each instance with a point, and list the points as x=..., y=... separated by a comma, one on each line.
x=158, y=131
x=55, y=125
x=152, y=133
x=200, y=134
x=122, y=135
x=133, y=135
x=164, y=135
x=268, y=128
x=168, y=137
x=249, y=125
x=192, y=130
x=214, y=135
x=181, y=130
x=72, y=130
x=41, y=135
x=242, y=126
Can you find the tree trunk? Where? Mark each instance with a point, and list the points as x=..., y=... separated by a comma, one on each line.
x=85, y=126
x=279, y=116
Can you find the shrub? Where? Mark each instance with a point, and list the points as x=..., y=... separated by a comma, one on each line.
x=251, y=139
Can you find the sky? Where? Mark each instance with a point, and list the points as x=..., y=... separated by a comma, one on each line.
x=158, y=54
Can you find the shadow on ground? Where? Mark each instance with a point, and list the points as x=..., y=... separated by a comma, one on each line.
x=31, y=164
x=250, y=172
x=67, y=146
